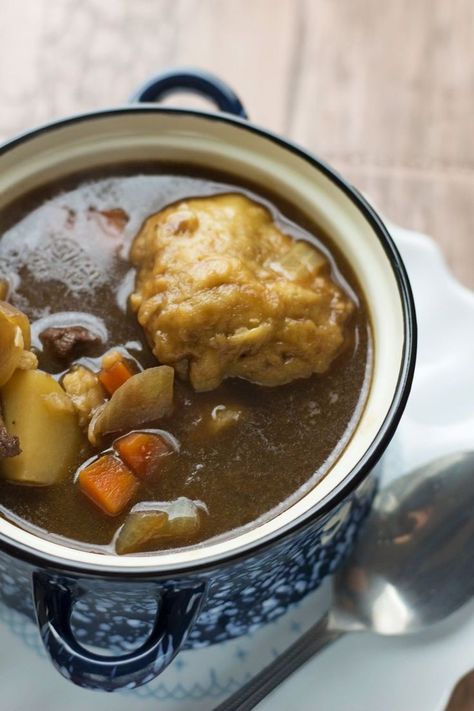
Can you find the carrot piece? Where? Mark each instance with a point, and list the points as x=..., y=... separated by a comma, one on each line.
x=141, y=452
x=109, y=484
x=115, y=375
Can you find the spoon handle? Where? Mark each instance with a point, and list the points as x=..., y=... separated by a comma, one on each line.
x=310, y=643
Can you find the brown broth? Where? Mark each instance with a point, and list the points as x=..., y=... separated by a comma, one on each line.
x=289, y=435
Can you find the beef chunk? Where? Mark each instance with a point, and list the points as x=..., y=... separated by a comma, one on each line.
x=9, y=444
x=66, y=342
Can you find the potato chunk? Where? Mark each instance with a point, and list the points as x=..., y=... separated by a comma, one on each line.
x=85, y=391
x=4, y=289
x=37, y=410
x=14, y=342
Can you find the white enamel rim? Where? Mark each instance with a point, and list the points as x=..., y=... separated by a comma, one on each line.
x=234, y=145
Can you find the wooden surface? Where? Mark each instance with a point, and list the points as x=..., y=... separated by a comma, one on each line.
x=383, y=91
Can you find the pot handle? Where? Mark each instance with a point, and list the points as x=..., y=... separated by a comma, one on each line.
x=196, y=81
x=178, y=607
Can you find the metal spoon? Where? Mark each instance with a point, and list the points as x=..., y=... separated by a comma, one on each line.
x=412, y=566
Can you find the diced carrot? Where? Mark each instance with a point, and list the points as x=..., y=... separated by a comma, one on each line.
x=142, y=451
x=116, y=218
x=115, y=375
x=109, y=484
x=112, y=222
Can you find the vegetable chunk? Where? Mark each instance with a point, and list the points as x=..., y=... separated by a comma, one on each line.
x=143, y=398
x=142, y=452
x=139, y=530
x=150, y=523
x=37, y=411
x=115, y=372
x=16, y=318
x=223, y=417
x=14, y=342
x=109, y=484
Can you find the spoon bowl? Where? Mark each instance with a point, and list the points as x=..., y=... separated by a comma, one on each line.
x=412, y=566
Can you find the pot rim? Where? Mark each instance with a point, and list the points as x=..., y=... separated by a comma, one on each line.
x=359, y=472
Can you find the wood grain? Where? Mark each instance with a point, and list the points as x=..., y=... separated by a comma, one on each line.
x=384, y=93
x=391, y=104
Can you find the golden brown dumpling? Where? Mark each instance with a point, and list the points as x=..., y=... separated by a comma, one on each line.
x=222, y=292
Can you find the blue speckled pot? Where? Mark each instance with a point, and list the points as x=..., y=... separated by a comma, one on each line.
x=143, y=609
x=231, y=600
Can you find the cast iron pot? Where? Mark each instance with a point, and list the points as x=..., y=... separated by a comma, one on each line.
x=144, y=609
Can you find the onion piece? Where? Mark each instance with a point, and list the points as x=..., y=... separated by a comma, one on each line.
x=302, y=261
x=143, y=398
x=151, y=522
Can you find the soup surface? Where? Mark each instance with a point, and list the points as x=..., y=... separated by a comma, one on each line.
x=231, y=454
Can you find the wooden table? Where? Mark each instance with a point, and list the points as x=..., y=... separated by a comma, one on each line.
x=383, y=91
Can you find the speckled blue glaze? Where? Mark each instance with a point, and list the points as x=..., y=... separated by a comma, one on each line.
x=120, y=615
x=145, y=620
